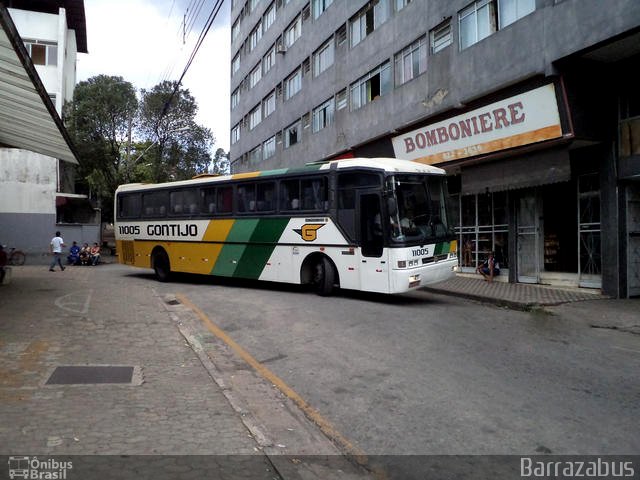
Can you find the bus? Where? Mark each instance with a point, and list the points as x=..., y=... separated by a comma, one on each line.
x=370, y=224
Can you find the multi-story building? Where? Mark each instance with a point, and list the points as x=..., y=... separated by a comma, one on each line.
x=529, y=105
x=36, y=187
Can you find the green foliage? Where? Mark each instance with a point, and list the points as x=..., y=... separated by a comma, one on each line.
x=167, y=113
x=98, y=120
x=121, y=140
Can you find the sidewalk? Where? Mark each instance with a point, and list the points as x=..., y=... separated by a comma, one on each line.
x=520, y=296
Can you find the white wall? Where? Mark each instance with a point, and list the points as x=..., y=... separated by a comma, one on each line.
x=58, y=80
x=28, y=182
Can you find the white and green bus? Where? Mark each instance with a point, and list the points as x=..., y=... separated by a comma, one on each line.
x=377, y=225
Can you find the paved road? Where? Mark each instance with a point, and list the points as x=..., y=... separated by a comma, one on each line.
x=230, y=366
x=429, y=374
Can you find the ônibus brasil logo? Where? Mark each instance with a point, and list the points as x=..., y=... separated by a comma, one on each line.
x=32, y=468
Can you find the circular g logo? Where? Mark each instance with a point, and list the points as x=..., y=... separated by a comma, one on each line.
x=309, y=231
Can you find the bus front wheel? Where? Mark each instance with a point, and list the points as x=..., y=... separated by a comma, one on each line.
x=161, y=265
x=324, y=276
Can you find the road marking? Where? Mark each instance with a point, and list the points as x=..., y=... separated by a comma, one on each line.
x=70, y=304
x=327, y=428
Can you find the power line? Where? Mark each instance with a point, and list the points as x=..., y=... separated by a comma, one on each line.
x=199, y=42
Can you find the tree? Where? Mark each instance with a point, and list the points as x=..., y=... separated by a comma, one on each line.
x=99, y=120
x=220, y=164
x=167, y=117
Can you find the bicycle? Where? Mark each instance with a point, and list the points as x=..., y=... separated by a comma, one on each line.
x=16, y=257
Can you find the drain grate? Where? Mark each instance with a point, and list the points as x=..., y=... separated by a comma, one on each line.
x=89, y=375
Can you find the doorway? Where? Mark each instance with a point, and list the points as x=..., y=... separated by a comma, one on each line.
x=528, y=233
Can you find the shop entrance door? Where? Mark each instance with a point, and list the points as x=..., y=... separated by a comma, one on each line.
x=589, y=244
x=633, y=252
x=528, y=239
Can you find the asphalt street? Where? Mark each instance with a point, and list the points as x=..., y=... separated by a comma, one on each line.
x=287, y=384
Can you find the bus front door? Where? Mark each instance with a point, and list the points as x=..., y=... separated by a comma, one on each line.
x=374, y=270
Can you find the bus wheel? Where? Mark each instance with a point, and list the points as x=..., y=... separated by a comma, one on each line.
x=161, y=265
x=324, y=277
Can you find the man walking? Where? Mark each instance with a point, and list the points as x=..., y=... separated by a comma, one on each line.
x=56, y=249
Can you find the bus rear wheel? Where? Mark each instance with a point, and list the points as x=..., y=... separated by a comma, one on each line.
x=324, y=276
x=161, y=265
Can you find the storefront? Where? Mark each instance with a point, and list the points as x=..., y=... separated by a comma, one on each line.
x=521, y=186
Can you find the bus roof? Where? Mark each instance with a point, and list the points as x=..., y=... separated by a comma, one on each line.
x=392, y=165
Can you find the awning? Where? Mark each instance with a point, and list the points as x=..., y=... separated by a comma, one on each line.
x=28, y=119
x=530, y=170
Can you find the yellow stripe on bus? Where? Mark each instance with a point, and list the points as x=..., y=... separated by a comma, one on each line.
x=245, y=175
x=218, y=230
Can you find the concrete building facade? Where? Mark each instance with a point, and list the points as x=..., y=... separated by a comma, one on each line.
x=37, y=191
x=529, y=106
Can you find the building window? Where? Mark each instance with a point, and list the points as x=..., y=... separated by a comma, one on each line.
x=320, y=6
x=477, y=22
x=269, y=60
x=341, y=99
x=255, y=117
x=255, y=76
x=255, y=36
x=235, y=63
x=294, y=31
x=323, y=115
x=412, y=61
x=293, y=84
x=512, y=10
x=269, y=104
x=371, y=86
x=292, y=134
x=269, y=148
x=368, y=19
x=323, y=58
x=235, y=98
x=42, y=53
x=441, y=36
x=255, y=155
x=269, y=17
x=253, y=4
x=400, y=4
x=235, y=29
x=235, y=134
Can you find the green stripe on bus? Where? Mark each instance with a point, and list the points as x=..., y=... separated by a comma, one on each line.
x=267, y=233
x=231, y=253
x=280, y=171
x=441, y=248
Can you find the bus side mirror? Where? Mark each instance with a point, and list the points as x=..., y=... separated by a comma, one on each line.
x=392, y=207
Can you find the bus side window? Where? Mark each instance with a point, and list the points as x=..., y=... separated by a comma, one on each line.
x=152, y=202
x=224, y=197
x=247, y=198
x=290, y=195
x=265, y=194
x=128, y=206
x=314, y=194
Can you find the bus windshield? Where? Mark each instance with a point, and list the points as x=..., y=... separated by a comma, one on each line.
x=420, y=209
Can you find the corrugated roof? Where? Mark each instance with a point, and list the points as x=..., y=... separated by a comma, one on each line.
x=28, y=118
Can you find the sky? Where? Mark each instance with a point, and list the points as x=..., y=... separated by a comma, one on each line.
x=142, y=41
